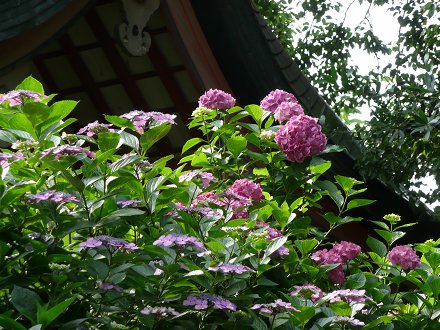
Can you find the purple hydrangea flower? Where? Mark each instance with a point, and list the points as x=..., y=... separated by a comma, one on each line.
x=216, y=99
x=272, y=233
x=205, y=177
x=129, y=203
x=231, y=268
x=278, y=306
x=201, y=301
x=347, y=295
x=6, y=157
x=287, y=110
x=51, y=196
x=348, y=321
x=109, y=286
x=95, y=128
x=404, y=256
x=201, y=211
x=157, y=271
x=20, y=96
x=247, y=188
x=66, y=150
x=108, y=241
x=143, y=120
x=160, y=311
x=179, y=240
x=301, y=137
x=346, y=250
x=326, y=257
x=308, y=291
x=275, y=98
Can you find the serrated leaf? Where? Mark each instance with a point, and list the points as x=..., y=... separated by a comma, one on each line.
x=154, y=134
x=25, y=301
x=377, y=246
x=31, y=84
x=256, y=112
x=332, y=191
x=236, y=144
x=346, y=183
x=191, y=143
x=116, y=166
x=129, y=140
x=358, y=203
x=274, y=245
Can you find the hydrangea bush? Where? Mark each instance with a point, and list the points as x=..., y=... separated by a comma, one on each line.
x=95, y=233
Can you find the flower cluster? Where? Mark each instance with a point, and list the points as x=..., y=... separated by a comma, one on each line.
x=20, y=96
x=247, y=188
x=347, y=320
x=6, y=157
x=109, y=286
x=95, y=128
x=179, y=240
x=161, y=311
x=231, y=268
x=108, y=241
x=205, y=177
x=404, y=256
x=339, y=254
x=287, y=110
x=67, y=150
x=216, y=99
x=278, y=306
x=200, y=211
x=129, y=203
x=157, y=271
x=275, y=98
x=347, y=295
x=143, y=120
x=272, y=233
x=201, y=301
x=307, y=291
x=301, y=137
x=51, y=196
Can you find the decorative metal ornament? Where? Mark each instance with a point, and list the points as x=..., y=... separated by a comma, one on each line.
x=133, y=34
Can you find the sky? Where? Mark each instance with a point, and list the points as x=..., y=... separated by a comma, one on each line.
x=386, y=27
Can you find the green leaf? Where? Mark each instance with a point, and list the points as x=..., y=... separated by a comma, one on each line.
x=25, y=301
x=260, y=172
x=355, y=281
x=129, y=140
x=346, y=183
x=19, y=121
x=31, y=84
x=116, y=166
x=36, y=112
x=332, y=191
x=306, y=245
x=433, y=260
x=358, y=203
x=390, y=237
x=377, y=246
x=319, y=166
x=236, y=144
x=8, y=323
x=256, y=113
x=7, y=137
x=274, y=245
x=154, y=134
x=434, y=284
x=341, y=308
x=191, y=143
x=120, y=122
x=108, y=140
x=46, y=317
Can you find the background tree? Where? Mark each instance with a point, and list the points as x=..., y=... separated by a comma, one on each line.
x=402, y=140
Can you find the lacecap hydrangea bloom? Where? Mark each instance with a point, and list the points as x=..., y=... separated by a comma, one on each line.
x=180, y=240
x=275, y=98
x=301, y=137
x=404, y=256
x=108, y=241
x=51, y=196
x=205, y=177
x=231, y=268
x=202, y=301
x=20, y=96
x=307, y=291
x=278, y=306
x=95, y=128
x=216, y=99
x=67, y=150
x=161, y=311
x=143, y=120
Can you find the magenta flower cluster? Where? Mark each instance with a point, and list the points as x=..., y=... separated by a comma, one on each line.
x=307, y=291
x=202, y=301
x=229, y=201
x=275, y=98
x=348, y=296
x=200, y=211
x=339, y=254
x=108, y=241
x=179, y=240
x=247, y=188
x=231, y=268
x=160, y=311
x=205, y=177
x=278, y=306
x=67, y=150
x=301, y=137
x=216, y=99
x=143, y=120
x=95, y=128
x=404, y=256
x=51, y=196
x=287, y=110
x=20, y=96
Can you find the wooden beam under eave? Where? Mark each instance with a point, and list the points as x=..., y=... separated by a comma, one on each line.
x=84, y=75
x=115, y=59
x=186, y=28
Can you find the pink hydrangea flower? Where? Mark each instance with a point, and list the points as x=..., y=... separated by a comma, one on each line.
x=287, y=110
x=95, y=128
x=404, y=256
x=20, y=96
x=216, y=99
x=275, y=98
x=301, y=137
x=347, y=250
x=248, y=189
x=308, y=291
